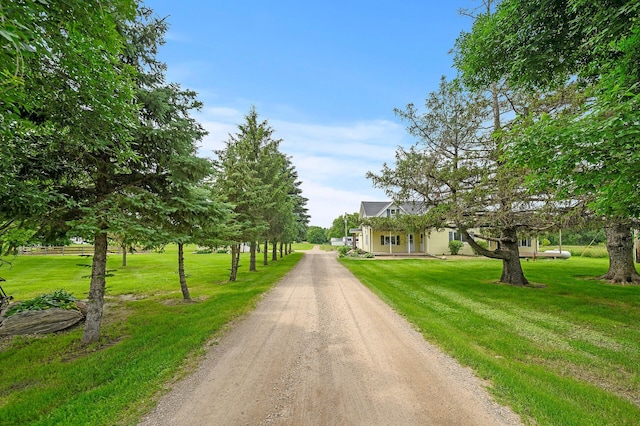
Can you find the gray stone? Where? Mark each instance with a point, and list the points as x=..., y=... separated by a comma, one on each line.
x=40, y=322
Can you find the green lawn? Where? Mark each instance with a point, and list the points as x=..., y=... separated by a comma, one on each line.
x=149, y=334
x=567, y=353
x=302, y=246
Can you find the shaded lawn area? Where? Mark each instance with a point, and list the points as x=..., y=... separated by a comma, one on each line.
x=567, y=353
x=149, y=335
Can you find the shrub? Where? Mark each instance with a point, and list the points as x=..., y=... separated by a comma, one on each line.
x=203, y=251
x=545, y=242
x=343, y=250
x=455, y=246
x=58, y=299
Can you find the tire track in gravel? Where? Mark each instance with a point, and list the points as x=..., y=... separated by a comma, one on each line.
x=321, y=349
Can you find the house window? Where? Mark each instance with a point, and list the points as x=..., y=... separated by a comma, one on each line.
x=410, y=238
x=392, y=212
x=390, y=240
x=455, y=235
x=525, y=242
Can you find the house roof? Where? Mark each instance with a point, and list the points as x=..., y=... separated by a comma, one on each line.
x=373, y=208
x=377, y=208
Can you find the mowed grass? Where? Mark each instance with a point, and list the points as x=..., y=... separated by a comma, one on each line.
x=149, y=335
x=567, y=353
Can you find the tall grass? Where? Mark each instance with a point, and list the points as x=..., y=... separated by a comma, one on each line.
x=149, y=335
x=565, y=353
x=599, y=251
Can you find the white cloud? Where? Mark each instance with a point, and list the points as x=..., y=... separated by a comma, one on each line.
x=331, y=160
x=176, y=36
x=326, y=203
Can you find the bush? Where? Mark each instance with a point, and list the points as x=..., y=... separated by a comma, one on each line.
x=58, y=299
x=203, y=251
x=343, y=250
x=455, y=246
x=545, y=242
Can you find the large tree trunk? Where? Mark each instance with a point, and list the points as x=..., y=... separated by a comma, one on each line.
x=235, y=249
x=274, y=254
x=511, y=267
x=281, y=249
x=265, y=261
x=620, y=248
x=183, y=278
x=96, y=290
x=508, y=252
x=252, y=256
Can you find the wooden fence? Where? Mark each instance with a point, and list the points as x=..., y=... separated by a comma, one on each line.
x=84, y=250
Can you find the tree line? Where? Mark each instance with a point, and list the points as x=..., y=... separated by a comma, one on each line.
x=538, y=132
x=95, y=143
x=320, y=235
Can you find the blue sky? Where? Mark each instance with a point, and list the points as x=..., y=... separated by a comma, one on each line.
x=326, y=75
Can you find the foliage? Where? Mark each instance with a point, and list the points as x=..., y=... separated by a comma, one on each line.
x=56, y=299
x=343, y=250
x=576, y=237
x=338, y=227
x=457, y=172
x=566, y=353
x=357, y=253
x=587, y=152
x=586, y=251
x=316, y=235
x=203, y=251
x=67, y=94
x=144, y=343
x=261, y=182
x=455, y=246
x=483, y=244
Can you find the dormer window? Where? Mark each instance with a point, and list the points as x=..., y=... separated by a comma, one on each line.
x=393, y=212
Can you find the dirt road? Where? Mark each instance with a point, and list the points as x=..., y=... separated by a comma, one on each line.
x=321, y=349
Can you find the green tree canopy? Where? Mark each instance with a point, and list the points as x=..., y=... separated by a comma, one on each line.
x=338, y=227
x=590, y=152
x=316, y=235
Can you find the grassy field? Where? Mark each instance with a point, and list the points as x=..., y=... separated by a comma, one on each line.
x=598, y=250
x=149, y=335
x=565, y=353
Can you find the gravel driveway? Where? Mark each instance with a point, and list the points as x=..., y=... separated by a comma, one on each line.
x=321, y=349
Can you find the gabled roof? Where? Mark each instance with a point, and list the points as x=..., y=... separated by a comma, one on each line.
x=373, y=208
x=378, y=208
x=413, y=207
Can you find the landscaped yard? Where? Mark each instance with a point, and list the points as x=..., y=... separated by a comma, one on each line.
x=567, y=353
x=148, y=333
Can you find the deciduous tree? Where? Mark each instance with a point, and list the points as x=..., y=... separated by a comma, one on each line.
x=456, y=171
x=544, y=45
